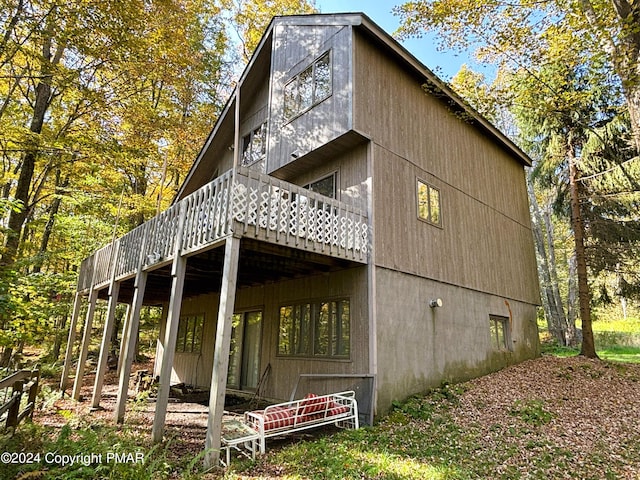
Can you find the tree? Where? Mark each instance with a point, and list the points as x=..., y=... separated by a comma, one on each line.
x=516, y=32
x=249, y=18
x=95, y=99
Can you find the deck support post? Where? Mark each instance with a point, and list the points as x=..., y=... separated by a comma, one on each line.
x=130, y=335
x=221, y=352
x=105, y=346
x=125, y=327
x=178, y=270
x=77, y=304
x=86, y=338
x=130, y=345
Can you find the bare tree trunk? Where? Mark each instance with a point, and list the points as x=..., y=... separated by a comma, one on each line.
x=42, y=102
x=633, y=105
x=5, y=356
x=61, y=323
x=588, y=348
x=48, y=228
x=572, y=299
x=553, y=312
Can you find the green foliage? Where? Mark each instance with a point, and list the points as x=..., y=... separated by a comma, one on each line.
x=531, y=412
x=103, y=108
x=250, y=18
x=94, y=448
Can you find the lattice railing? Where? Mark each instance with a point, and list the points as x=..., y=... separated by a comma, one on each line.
x=244, y=202
x=295, y=216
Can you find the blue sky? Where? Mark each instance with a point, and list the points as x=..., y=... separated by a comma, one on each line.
x=444, y=64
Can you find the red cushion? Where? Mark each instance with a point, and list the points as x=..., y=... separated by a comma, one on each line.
x=278, y=417
x=311, y=404
x=337, y=409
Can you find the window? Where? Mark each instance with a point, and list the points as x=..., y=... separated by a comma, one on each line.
x=318, y=329
x=254, y=145
x=429, y=203
x=190, y=334
x=500, y=332
x=308, y=88
x=325, y=186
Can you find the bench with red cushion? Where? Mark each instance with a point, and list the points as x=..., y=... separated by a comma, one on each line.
x=311, y=411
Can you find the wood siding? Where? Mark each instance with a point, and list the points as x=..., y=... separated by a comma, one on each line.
x=196, y=368
x=351, y=169
x=295, y=48
x=485, y=242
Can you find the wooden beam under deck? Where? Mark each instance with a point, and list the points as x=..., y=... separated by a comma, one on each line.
x=259, y=263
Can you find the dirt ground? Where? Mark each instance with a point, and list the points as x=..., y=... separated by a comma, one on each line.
x=186, y=417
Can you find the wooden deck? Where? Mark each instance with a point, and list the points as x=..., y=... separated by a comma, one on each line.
x=241, y=202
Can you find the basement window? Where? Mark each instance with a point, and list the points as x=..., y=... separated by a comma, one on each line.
x=308, y=88
x=317, y=329
x=429, y=203
x=190, y=331
x=500, y=332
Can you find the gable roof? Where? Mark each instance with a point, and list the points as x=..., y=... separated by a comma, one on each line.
x=385, y=41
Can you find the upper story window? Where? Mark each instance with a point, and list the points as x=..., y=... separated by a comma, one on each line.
x=325, y=186
x=308, y=88
x=254, y=145
x=429, y=203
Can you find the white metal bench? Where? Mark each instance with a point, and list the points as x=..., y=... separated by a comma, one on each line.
x=312, y=411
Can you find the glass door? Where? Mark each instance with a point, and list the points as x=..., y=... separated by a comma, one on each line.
x=244, y=355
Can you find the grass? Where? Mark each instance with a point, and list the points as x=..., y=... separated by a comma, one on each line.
x=423, y=439
x=613, y=353
x=80, y=451
x=617, y=340
x=86, y=448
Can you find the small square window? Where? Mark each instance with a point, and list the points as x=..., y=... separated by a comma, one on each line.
x=500, y=332
x=429, y=203
x=325, y=186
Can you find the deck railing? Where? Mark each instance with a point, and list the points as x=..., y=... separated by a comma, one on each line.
x=19, y=382
x=244, y=202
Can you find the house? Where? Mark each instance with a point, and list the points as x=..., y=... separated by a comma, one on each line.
x=348, y=216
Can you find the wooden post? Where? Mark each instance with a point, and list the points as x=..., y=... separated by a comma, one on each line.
x=125, y=327
x=14, y=410
x=221, y=352
x=33, y=391
x=84, y=350
x=128, y=348
x=130, y=343
x=77, y=303
x=178, y=270
x=114, y=291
